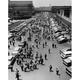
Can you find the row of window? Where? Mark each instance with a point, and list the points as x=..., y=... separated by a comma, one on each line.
x=67, y=12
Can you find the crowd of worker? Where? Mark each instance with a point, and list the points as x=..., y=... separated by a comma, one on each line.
x=31, y=36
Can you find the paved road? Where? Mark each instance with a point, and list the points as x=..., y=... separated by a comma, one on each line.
x=43, y=73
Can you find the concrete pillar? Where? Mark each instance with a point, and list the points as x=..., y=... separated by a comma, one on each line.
x=57, y=11
x=62, y=12
x=70, y=15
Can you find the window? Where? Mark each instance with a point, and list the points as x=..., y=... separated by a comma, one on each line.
x=67, y=13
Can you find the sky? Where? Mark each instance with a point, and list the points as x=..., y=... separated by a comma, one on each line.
x=40, y=3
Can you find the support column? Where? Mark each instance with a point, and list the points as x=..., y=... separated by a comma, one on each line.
x=62, y=12
x=70, y=15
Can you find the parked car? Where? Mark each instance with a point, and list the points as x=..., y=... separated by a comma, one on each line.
x=61, y=39
x=67, y=62
x=65, y=53
x=63, y=32
x=58, y=31
x=55, y=29
x=67, y=36
x=9, y=59
x=69, y=71
x=57, y=34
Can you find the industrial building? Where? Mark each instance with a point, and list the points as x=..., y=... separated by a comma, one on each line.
x=20, y=9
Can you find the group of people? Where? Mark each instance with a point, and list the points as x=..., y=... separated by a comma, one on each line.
x=25, y=53
x=28, y=58
x=30, y=61
x=57, y=70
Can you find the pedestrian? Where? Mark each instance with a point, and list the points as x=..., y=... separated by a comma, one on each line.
x=33, y=46
x=45, y=56
x=8, y=53
x=57, y=72
x=13, y=43
x=20, y=50
x=17, y=74
x=39, y=43
x=37, y=61
x=13, y=39
x=17, y=61
x=31, y=62
x=53, y=45
x=21, y=66
x=25, y=69
x=52, y=39
x=37, y=56
x=28, y=66
x=10, y=42
x=49, y=50
x=37, y=46
x=46, y=43
x=11, y=68
x=40, y=56
x=35, y=66
x=42, y=61
x=43, y=45
x=50, y=68
x=8, y=46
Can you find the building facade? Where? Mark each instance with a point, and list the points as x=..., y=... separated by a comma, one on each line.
x=20, y=9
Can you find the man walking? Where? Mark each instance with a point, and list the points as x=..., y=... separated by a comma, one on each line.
x=50, y=68
x=49, y=50
x=57, y=72
x=53, y=45
x=17, y=74
x=45, y=56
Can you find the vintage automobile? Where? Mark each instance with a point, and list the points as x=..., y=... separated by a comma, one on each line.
x=67, y=62
x=65, y=53
x=69, y=71
x=61, y=39
x=57, y=34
